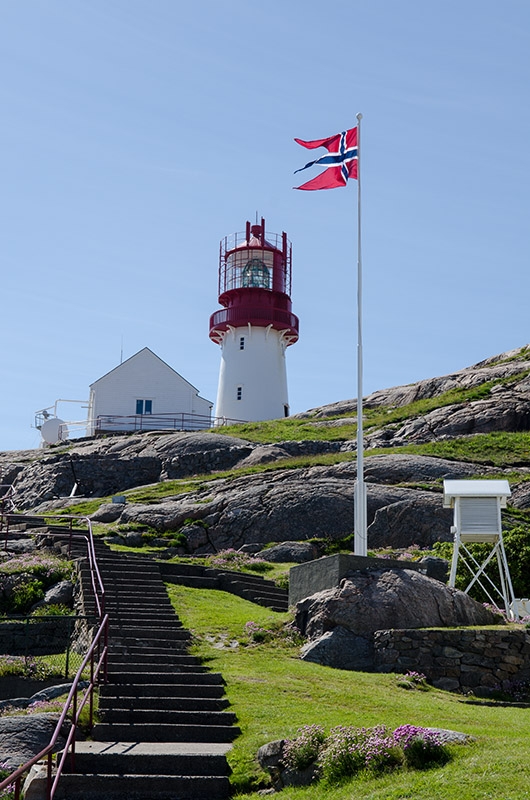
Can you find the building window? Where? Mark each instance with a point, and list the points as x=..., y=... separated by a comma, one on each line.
x=239, y=392
x=242, y=343
x=285, y=410
x=144, y=406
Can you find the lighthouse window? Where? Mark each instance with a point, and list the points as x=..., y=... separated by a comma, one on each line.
x=242, y=343
x=255, y=275
x=239, y=392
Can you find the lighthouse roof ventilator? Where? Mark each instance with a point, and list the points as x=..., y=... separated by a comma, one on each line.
x=255, y=325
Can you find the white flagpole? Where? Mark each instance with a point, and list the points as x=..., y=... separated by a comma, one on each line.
x=359, y=539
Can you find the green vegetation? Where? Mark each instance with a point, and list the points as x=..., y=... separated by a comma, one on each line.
x=29, y=667
x=274, y=693
x=497, y=449
x=25, y=578
x=376, y=417
x=517, y=547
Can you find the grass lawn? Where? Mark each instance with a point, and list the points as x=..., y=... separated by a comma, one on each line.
x=273, y=693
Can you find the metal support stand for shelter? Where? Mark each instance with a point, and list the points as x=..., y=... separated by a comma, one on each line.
x=477, y=518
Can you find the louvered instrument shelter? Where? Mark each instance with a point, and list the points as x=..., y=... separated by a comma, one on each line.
x=477, y=518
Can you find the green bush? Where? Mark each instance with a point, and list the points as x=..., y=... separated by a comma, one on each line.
x=53, y=610
x=235, y=560
x=26, y=595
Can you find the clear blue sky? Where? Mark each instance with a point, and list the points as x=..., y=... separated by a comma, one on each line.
x=137, y=133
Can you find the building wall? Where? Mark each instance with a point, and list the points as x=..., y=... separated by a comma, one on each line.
x=144, y=377
x=253, y=376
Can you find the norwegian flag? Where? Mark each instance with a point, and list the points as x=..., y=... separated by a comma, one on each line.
x=341, y=160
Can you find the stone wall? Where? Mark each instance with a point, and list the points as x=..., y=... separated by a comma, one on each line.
x=472, y=660
x=35, y=637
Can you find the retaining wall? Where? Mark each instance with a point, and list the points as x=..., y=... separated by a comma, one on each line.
x=468, y=660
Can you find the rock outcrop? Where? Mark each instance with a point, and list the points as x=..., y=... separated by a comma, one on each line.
x=301, y=504
x=404, y=491
x=340, y=623
x=24, y=736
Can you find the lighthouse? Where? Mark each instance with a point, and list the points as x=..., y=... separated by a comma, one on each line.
x=255, y=326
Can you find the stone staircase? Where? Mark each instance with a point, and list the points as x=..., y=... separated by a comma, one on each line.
x=163, y=731
x=250, y=587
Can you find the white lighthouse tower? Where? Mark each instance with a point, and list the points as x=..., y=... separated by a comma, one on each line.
x=255, y=326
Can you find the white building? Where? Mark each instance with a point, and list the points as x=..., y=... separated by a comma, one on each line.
x=145, y=393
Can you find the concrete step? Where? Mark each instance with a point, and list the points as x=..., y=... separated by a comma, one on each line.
x=173, y=674
x=148, y=606
x=158, y=732
x=166, y=633
x=158, y=637
x=140, y=617
x=143, y=758
x=167, y=662
x=130, y=691
x=168, y=717
x=198, y=677
x=169, y=703
x=142, y=787
x=250, y=587
x=182, y=666
x=158, y=698
x=148, y=653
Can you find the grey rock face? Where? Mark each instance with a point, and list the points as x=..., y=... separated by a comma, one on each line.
x=106, y=466
x=298, y=552
x=340, y=648
x=374, y=601
x=107, y=512
x=296, y=505
x=494, y=368
x=23, y=737
x=61, y=594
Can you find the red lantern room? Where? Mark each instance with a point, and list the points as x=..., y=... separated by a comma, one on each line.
x=255, y=284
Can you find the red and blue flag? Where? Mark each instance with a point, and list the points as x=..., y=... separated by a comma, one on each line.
x=341, y=160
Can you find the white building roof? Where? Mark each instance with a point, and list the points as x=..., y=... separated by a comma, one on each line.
x=477, y=488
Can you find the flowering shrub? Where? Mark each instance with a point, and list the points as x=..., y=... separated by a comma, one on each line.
x=256, y=633
x=413, y=680
x=47, y=567
x=348, y=751
x=233, y=559
x=9, y=792
x=413, y=553
x=421, y=748
x=27, y=668
x=25, y=578
x=299, y=753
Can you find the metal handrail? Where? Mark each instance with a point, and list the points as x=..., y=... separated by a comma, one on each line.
x=152, y=422
x=98, y=646
x=16, y=776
